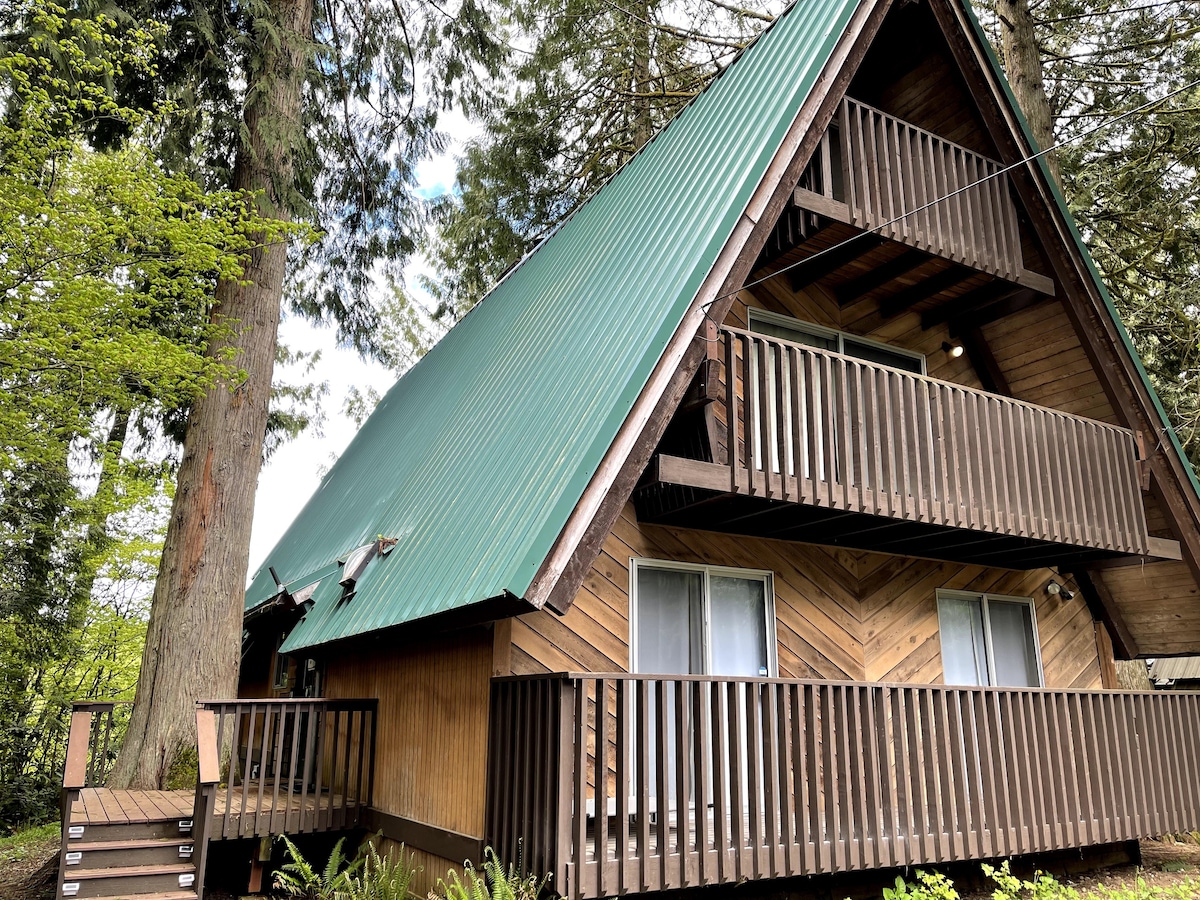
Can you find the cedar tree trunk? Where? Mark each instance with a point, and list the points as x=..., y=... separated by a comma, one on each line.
x=193, y=644
x=1023, y=65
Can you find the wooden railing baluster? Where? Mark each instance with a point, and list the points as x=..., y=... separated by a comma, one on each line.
x=744, y=778
x=815, y=427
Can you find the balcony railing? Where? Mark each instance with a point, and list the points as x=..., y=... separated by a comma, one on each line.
x=880, y=173
x=814, y=427
x=289, y=766
x=625, y=783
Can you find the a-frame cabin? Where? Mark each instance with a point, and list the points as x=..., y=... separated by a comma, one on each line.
x=782, y=513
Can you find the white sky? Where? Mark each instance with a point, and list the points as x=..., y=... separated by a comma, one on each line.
x=292, y=474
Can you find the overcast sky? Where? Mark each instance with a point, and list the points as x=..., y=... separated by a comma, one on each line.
x=292, y=474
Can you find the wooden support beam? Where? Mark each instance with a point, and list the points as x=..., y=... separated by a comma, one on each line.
x=1014, y=303
x=984, y=362
x=1104, y=609
x=822, y=264
x=968, y=302
x=880, y=275
x=932, y=286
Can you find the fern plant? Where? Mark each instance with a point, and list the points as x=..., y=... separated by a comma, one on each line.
x=496, y=882
x=299, y=878
x=381, y=877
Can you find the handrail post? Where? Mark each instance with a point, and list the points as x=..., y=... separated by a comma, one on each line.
x=79, y=739
x=565, y=720
x=207, y=777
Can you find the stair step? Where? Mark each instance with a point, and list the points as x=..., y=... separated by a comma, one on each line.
x=131, y=844
x=132, y=871
x=126, y=881
x=130, y=831
x=138, y=851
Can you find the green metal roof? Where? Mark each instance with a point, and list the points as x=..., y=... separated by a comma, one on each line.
x=476, y=458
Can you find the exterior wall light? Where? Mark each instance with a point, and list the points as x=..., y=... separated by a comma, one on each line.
x=1054, y=589
x=954, y=351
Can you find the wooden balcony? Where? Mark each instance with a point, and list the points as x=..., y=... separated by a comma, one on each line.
x=831, y=449
x=881, y=174
x=687, y=781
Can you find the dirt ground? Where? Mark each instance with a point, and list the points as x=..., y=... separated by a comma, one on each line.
x=29, y=872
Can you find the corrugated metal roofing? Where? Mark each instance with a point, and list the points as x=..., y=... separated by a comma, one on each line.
x=1182, y=668
x=475, y=459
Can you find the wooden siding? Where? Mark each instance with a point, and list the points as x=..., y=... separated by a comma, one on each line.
x=1158, y=602
x=433, y=701
x=840, y=614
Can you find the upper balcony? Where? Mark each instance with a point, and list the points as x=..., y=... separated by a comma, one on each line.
x=815, y=446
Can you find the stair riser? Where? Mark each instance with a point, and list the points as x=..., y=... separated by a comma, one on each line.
x=125, y=886
x=132, y=831
x=141, y=856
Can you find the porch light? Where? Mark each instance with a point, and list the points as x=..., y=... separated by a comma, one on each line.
x=954, y=351
x=1054, y=589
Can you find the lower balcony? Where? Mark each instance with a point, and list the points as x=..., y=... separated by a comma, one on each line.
x=620, y=784
x=810, y=445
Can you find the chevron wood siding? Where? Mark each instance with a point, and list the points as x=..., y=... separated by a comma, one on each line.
x=840, y=614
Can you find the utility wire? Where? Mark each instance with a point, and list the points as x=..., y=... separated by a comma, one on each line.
x=1018, y=164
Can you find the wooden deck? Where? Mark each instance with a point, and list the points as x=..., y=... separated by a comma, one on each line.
x=265, y=812
x=770, y=778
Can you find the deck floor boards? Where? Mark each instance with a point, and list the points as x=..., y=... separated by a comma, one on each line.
x=105, y=806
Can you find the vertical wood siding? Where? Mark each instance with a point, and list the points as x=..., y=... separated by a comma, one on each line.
x=433, y=708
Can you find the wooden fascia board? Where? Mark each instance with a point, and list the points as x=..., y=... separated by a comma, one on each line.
x=1082, y=299
x=564, y=568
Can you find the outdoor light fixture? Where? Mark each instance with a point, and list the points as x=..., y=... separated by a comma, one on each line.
x=1054, y=589
x=954, y=351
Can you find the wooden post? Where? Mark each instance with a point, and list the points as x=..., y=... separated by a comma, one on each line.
x=208, y=775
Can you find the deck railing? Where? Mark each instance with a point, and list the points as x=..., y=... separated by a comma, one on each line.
x=895, y=168
x=291, y=766
x=96, y=730
x=815, y=427
x=883, y=174
x=625, y=783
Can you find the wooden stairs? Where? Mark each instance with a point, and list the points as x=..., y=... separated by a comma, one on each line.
x=147, y=859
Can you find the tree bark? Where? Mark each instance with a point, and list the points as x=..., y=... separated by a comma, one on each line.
x=1023, y=65
x=193, y=641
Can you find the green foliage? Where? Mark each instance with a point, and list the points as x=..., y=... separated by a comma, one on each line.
x=371, y=876
x=366, y=876
x=109, y=262
x=30, y=843
x=935, y=886
x=599, y=81
x=299, y=878
x=496, y=882
x=929, y=886
x=382, y=877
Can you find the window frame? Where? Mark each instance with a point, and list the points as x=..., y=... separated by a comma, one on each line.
x=784, y=321
x=767, y=576
x=984, y=598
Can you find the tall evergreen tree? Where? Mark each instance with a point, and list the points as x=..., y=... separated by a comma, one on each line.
x=600, y=78
x=320, y=109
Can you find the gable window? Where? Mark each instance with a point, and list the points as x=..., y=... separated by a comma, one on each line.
x=701, y=620
x=988, y=639
x=786, y=328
